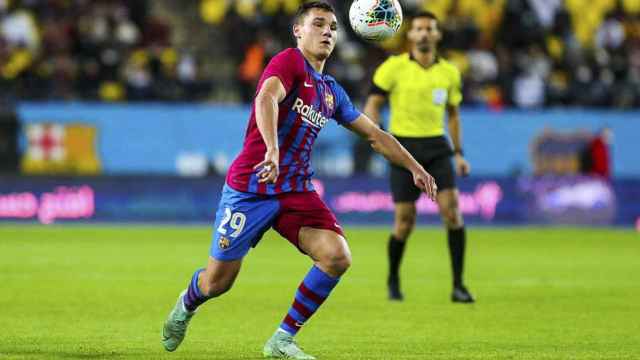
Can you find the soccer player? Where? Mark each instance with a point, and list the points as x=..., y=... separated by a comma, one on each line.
x=269, y=183
x=421, y=86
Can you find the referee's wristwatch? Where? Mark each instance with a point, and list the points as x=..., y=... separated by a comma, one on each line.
x=458, y=152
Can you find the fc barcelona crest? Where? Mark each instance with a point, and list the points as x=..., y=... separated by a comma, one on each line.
x=224, y=243
x=328, y=100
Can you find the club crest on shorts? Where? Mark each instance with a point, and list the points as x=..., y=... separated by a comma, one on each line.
x=224, y=243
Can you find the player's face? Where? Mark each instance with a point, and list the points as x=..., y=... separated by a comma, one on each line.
x=317, y=33
x=424, y=34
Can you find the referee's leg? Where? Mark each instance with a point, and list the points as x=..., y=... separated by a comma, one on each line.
x=452, y=218
x=403, y=224
x=405, y=195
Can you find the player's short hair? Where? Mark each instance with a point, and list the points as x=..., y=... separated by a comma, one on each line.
x=307, y=6
x=424, y=14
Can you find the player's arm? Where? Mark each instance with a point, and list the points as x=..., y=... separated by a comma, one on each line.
x=270, y=95
x=455, y=132
x=385, y=144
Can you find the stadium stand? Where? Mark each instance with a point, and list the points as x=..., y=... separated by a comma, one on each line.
x=522, y=53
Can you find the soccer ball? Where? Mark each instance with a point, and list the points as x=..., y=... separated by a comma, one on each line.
x=375, y=20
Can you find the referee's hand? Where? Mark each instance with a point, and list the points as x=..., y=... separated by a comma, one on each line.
x=425, y=182
x=462, y=165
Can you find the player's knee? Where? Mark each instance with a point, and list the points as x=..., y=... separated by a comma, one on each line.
x=338, y=261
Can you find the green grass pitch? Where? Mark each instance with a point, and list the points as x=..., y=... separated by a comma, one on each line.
x=90, y=292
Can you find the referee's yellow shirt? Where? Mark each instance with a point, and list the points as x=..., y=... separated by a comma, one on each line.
x=417, y=95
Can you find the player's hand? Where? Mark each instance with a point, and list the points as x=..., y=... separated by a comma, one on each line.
x=462, y=166
x=425, y=182
x=268, y=169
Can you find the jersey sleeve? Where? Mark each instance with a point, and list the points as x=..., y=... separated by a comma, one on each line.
x=288, y=66
x=384, y=76
x=345, y=112
x=455, y=91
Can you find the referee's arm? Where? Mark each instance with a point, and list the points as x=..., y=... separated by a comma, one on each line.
x=455, y=133
x=385, y=144
x=453, y=115
x=376, y=99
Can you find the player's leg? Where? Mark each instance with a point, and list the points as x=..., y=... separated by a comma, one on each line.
x=211, y=282
x=307, y=223
x=241, y=220
x=328, y=250
x=404, y=195
x=447, y=199
x=205, y=284
x=331, y=256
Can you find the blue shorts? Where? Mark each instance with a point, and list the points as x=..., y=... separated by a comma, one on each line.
x=242, y=218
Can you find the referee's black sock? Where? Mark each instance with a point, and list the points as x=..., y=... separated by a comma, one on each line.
x=457, y=242
x=395, y=251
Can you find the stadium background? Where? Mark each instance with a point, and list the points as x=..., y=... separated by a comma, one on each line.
x=117, y=112
x=143, y=89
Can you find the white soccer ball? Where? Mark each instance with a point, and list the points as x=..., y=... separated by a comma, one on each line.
x=375, y=20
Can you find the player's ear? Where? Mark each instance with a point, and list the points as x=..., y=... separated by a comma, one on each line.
x=297, y=30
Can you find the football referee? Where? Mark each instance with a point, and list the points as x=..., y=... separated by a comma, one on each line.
x=420, y=87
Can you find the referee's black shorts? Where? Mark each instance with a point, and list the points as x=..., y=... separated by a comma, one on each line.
x=434, y=154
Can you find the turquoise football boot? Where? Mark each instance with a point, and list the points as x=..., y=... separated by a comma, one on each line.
x=283, y=346
x=175, y=327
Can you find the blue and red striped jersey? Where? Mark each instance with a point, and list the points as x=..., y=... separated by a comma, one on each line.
x=312, y=99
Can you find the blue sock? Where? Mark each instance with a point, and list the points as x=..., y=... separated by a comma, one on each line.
x=193, y=297
x=312, y=292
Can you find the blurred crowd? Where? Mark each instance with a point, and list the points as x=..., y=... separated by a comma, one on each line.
x=92, y=50
x=522, y=53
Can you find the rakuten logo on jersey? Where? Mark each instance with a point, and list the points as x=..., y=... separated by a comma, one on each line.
x=309, y=114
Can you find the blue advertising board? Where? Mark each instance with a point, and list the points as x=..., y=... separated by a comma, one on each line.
x=150, y=138
x=356, y=200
